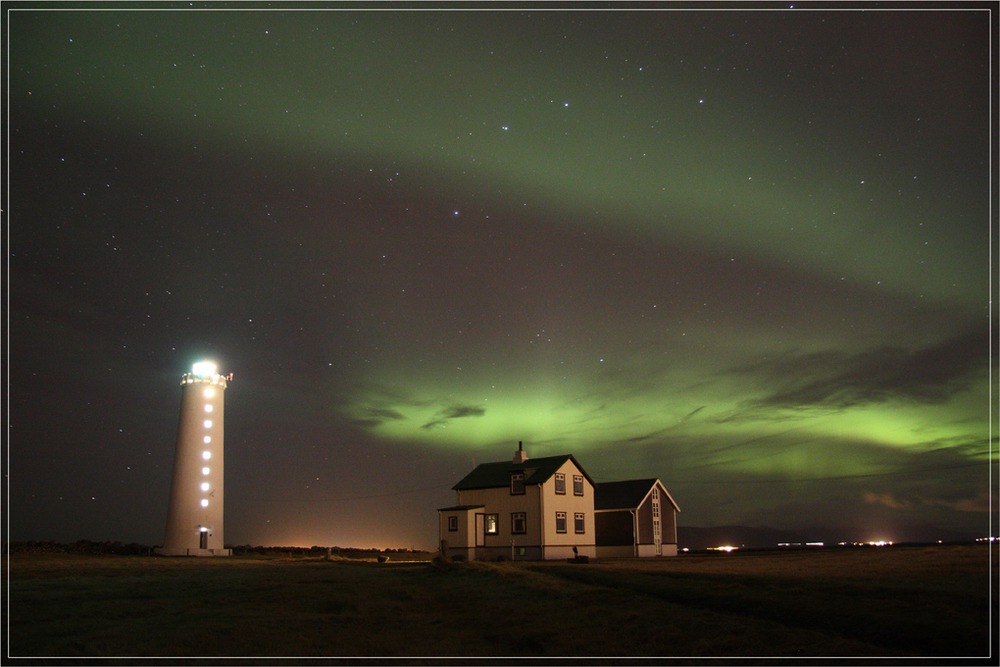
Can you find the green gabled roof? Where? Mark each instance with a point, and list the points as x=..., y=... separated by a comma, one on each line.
x=496, y=475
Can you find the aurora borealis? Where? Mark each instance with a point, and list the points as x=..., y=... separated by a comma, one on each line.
x=745, y=250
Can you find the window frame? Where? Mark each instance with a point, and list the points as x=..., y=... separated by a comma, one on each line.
x=577, y=485
x=495, y=524
x=560, y=483
x=517, y=483
x=579, y=523
x=514, y=517
x=561, y=516
x=452, y=524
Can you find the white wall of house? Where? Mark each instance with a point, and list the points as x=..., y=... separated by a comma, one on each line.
x=501, y=502
x=539, y=504
x=461, y=542
x=560, y=545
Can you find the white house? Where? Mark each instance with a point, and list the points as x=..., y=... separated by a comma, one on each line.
x=530, y=509
x=636, y=517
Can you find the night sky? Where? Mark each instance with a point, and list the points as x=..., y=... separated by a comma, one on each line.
x=744, y=251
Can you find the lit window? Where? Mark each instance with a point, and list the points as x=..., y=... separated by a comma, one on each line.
x=577, y=485
x=518, y=523
x=560, y=483
x=452, y=523
x=205, y=470
x=207, y=423
x=578, y=524
x=207, y=439
x=492, y=524
x=204, y=502
x=208, y=393
x=517, y=483
x=206, y=455
x=208, y=408
x=204, y=486
x=560, y=522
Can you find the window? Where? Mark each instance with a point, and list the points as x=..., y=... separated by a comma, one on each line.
x=517, y=483
x=518, y=523
x=491, y=526
x=560, y=522
x=452, y=523
x=560, y=483
x=577, y=485
x=578, y=525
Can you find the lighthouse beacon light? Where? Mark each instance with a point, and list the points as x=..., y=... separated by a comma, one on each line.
x=203, y=369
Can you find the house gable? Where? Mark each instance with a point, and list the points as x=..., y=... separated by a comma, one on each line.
x=630, y=522
x=628, y=495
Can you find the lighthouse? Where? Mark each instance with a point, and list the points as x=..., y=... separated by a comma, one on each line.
x=195, y=513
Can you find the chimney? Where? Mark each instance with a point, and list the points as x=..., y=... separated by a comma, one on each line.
x=519, y=455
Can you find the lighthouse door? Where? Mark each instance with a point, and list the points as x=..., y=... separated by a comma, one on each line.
x=203, y=539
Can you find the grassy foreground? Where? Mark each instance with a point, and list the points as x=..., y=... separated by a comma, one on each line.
x=898, y=601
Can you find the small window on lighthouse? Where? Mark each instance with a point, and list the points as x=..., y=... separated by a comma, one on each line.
x=205, y=470
x=209, y=408
x=204, y=486
x=207, y=423
x=204, y=502
x=208, y=393
x=207, y=439
x=206, y=455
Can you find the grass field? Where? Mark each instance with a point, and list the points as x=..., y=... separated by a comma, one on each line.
x=898, y=601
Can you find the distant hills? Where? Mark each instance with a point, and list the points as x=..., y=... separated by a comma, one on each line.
x=762, y=537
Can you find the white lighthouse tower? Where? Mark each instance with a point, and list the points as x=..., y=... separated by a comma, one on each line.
x=194, y=517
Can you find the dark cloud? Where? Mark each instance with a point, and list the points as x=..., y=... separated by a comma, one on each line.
x=454, y=412
x=693, y=412
x=376, y=417
x=385, y=413
x=458, y=411
x=835, y=380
